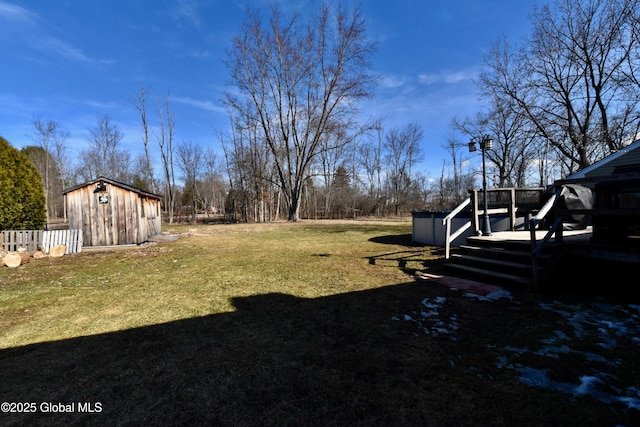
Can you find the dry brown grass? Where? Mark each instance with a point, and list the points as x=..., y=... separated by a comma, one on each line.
x=272, y=324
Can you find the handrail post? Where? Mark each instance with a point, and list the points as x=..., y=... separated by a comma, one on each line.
x=559, y=231
x=535, y=279
x=536, y=247
x=447, y=238
x=535, y=273
x=474, y=212
x=512, y=209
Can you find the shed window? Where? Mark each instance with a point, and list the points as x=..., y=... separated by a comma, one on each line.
x=142, y=208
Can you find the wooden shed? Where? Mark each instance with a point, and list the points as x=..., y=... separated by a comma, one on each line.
x=112, y=213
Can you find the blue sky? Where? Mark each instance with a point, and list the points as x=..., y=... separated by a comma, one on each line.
x=74, y=61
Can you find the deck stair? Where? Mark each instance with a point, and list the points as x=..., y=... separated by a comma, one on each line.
x=504, y=262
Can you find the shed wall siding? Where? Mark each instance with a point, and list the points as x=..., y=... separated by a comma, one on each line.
x=117, y=222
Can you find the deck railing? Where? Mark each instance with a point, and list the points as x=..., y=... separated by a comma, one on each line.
x=555, y=231
x=447, y=221
x=512, y=201
x=537, y=247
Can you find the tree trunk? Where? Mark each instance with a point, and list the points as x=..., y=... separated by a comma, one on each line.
x=57, y=251
x=12, y=259
x=294, y=207
x=293, y=214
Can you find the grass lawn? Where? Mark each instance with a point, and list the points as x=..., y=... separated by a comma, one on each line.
x=307, y=324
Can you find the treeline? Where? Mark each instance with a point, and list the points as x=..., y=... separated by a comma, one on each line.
x=373, y=176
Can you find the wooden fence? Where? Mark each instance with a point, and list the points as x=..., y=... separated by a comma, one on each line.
x=34, y=240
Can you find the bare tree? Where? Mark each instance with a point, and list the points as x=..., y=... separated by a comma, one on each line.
x=516, y=146
x=260, y=175
x=50, y=161
x=191, y=163
x=213, y=190
x=402, y=153
x=370, y=160
x=140, y=103
x=250, y=167
x=103, y=157
x=296, y=83
x=451, y=190
x=630, y=71
x=233, y=149
x=165, y=143
x=571, y=79
x=330, y=157
x=342, y=189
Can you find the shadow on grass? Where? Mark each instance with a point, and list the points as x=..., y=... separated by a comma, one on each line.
x=428, y=258
x=396, y=239
x=280, y=360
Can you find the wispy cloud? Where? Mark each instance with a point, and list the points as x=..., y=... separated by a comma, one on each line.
x=188, y=10
x=448, y=77
x=204, y=105
x=392, y=81
x=31, y=29
x=197, y=54
x=99, y=104
x=15, y=13
x=61, y=48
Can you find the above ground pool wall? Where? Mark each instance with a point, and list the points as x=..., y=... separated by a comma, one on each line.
x=429, y=229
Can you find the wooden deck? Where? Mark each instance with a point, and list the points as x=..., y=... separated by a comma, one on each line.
x=577, y=243
x=506, y=257
x=568, y=256
x=570, y=236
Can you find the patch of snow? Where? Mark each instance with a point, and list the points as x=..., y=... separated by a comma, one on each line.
x=559, y=335
x=593, y=357
x=631, y=398
x=496, y=295
x=429, y=322
x=604, y=323
x=539, y=378
x=491, y=296
x=586, y=382
x=516, y=350
x=553, y=351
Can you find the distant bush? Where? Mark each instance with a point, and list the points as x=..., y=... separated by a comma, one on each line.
x=22, y=201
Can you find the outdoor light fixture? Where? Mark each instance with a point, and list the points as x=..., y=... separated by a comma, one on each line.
x=486, y=143
x=100, y=188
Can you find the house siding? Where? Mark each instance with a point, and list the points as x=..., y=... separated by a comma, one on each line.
x=630, y=158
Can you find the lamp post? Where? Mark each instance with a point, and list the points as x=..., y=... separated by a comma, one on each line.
x=486, y=143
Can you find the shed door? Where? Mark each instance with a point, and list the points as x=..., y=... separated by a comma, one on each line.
x=105, y=220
